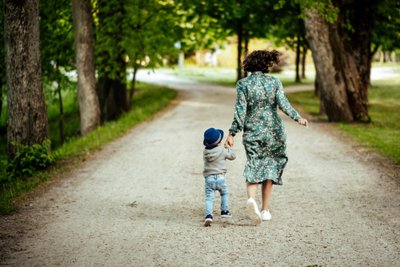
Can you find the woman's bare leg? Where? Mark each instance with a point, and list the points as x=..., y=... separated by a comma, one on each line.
x=251, y=190
x=266, y=194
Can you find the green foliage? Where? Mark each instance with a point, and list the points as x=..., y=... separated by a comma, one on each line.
x=51, y=88
x=288, y=25
x=57, y=53
x=70, y=116
x=111, y=29
x=386, y=25
x=152, y=31
x=30, y=159
x=324, y=7
x=248, y=17
x=139, y=33
x=198, y=27
x=56, y=38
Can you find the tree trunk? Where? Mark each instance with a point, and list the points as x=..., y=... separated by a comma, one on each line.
x=181, y=60
x=297, y=80
x=331, y=85
x=239, y=49
x=84, y=45
x=373, y=52
x=317, y=90
x=113, y=95
x=362, y=19
x=341, y=88
x=133, y=87
x=61, y=107
x=303, y=62
x=317, y=84
x=27, y=114
x=246, y=52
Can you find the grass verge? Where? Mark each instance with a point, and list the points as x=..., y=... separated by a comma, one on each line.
x=382, y=134
x=149, y=99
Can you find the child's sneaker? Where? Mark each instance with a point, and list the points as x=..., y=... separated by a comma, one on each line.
x=226, y=214
x=252, y=211
x=265, y=215
x=208, y=220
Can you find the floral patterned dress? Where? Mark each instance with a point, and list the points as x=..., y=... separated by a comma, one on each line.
x=264, y=138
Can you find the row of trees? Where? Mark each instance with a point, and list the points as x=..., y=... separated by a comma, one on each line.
x=343, y=36
x=105, y=40
x=99, y=39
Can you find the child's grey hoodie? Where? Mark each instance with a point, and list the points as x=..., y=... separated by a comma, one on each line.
x=214, y=160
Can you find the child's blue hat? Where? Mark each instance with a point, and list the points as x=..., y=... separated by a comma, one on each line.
x=213, y=137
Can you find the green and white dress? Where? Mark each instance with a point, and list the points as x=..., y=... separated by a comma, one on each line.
x=264, y=137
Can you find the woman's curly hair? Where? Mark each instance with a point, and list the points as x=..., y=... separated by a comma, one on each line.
x=261, y=60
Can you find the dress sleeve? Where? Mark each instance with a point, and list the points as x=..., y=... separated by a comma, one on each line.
x=240, y=109
x=284, y=104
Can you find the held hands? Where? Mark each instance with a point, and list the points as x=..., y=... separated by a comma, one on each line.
x=229, y=141
x=303, y=122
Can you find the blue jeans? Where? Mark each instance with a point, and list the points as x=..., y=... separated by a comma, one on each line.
x=213, y=183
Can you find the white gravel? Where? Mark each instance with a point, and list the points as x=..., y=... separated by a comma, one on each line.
x=139, y=201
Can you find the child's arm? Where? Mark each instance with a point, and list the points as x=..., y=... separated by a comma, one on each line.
x=230, y=153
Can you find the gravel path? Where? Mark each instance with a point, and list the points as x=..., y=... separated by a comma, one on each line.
x=139, y=201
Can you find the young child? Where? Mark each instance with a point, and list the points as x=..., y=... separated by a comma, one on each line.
x=214, y=156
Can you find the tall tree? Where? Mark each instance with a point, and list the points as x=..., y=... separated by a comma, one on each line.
x=84, y=45
x=341, y=51
x=27, y=115
x=111, y=58
x=153, y=30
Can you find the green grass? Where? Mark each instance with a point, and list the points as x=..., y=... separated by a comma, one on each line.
x=71, y=119
x=148, y=100
x=383, y=133
x=306, y=100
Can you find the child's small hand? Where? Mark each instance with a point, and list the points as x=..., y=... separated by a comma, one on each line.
x=229, y=141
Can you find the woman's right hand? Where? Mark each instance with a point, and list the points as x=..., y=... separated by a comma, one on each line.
x=229, y=141
x=303, y=122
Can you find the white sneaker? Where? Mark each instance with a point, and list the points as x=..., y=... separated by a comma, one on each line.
x=252, y=211
x=265, y=215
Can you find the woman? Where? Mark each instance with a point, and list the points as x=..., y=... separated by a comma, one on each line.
x=264, y=138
